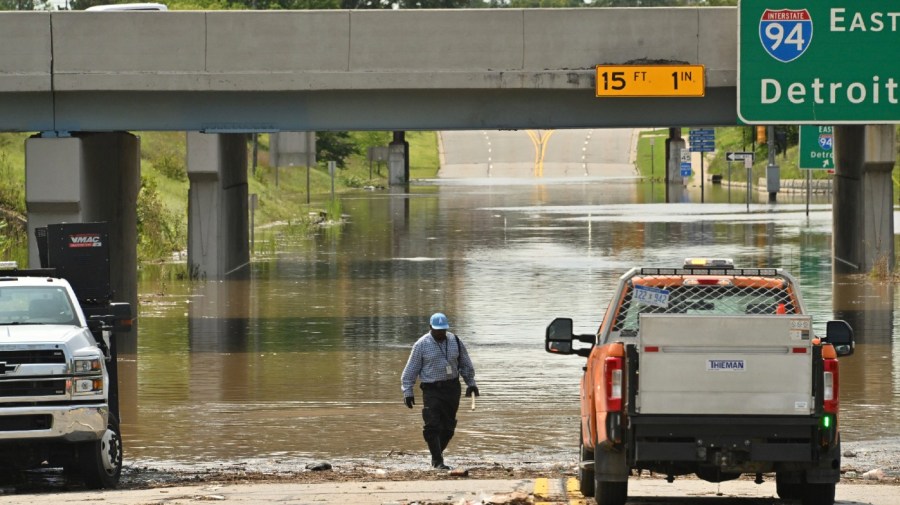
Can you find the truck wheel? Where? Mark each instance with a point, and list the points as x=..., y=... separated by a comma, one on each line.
x=613, y=493
x=787, y=490
x=585, y=476
x=101, y=461
x=818, y=494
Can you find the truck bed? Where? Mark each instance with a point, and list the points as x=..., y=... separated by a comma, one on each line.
x=717, y=365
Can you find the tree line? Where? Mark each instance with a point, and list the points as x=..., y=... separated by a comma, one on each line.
x=75, y=5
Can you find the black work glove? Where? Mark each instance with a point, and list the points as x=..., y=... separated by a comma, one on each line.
x=410, y=401
x=472, y=389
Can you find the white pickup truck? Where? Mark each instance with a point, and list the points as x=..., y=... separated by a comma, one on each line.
x=55, y=385
x=710, y=370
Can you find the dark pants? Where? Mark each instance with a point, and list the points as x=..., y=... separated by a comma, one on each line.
x=441, y=401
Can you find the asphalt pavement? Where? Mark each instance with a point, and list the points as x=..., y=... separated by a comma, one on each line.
x=643, y=491
x=537, y=153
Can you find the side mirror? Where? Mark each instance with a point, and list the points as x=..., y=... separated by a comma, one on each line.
x=114, y=316
x=558, y=338
x=840, y=335
x=121, y=311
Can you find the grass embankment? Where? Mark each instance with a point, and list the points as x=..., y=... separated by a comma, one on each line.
x=162, y=203
x=13, y=236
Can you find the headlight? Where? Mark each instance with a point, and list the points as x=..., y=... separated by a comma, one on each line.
x=87, y=365
x=87, y=386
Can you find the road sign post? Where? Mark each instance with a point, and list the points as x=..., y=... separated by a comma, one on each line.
x=748, y=162
x=824, y=61
x=703, y=140
x=747, y=158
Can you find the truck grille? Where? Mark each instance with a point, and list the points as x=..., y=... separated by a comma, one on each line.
x=26, y=423
x=29, y=357
x=40, y=387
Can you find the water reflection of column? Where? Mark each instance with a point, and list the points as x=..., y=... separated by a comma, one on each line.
x=128, y=390
x=218, y=334
x=399, y=209
x=868, y=306
x=866, y=377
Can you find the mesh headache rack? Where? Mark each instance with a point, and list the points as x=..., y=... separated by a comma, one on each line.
x=704, y=291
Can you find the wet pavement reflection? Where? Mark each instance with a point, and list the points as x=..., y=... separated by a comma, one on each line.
x=303, y=360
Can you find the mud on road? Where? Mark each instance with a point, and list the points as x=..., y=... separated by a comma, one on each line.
x=873, y=461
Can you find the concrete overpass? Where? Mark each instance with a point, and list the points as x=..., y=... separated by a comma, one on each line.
x=77, y=76
x=230, y=71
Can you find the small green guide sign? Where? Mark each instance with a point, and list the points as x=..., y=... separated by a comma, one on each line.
x=818, y=61
x=816, y=147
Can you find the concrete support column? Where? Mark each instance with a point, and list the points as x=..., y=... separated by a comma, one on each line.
x=218, y=218
x=398, y=160
x=674, y=182
x=863, y=221
x=87, y=178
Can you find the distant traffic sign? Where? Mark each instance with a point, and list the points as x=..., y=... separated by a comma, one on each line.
x=702, y=140
x=651, y=80
x=685, y=163
x=816, y=147
x=738, y=156
x=818, y=61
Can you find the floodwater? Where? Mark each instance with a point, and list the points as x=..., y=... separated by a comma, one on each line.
x=303, y=360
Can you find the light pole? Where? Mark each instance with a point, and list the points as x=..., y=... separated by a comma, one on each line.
x=652, y=142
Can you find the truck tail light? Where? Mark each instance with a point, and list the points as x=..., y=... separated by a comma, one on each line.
x=830, y=394
x=613, y=373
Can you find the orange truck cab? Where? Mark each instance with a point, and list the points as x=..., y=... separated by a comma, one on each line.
x=710, y=370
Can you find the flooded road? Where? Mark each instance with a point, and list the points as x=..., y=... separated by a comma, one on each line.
x=303, y=361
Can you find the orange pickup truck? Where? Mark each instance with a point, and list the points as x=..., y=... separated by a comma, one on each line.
x=710, y=370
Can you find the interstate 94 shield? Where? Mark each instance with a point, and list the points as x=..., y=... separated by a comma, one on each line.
x=785, y=34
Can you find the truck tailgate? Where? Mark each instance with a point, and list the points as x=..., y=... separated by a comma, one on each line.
x=753, y=365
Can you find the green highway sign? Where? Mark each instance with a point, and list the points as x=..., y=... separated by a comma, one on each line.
x=816, y=147
x=818, y=61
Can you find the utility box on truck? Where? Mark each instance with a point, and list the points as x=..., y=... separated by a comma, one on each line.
x=58, y=386
x=709, y=370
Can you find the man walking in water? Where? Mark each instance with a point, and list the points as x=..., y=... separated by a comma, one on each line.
x=438, y=359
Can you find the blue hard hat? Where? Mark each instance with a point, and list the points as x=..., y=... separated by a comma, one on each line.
x=439, y=321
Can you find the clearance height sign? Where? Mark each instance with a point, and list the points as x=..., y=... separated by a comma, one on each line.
x=819, y=61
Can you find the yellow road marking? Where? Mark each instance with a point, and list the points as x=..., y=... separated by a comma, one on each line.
x=573, y=492
x=542, y=492
x=541, y=487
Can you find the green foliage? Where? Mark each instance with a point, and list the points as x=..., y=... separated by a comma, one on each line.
x=353, y=181
x=160, y=232
x=251, y=4
x=369, y=139
x=405, y=4
x=20, y=5
x=335, y=146
x=170, y=164
x=334, y=210
x=545, y=4
x=12, y=185
x=424, y=162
